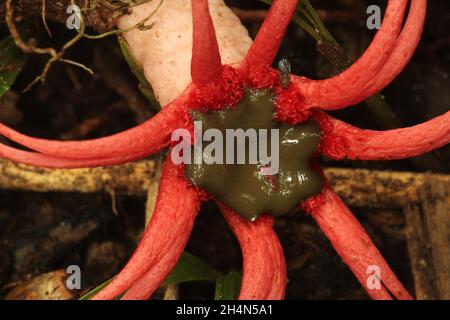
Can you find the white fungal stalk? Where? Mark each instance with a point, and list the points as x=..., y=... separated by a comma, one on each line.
x=164, y=51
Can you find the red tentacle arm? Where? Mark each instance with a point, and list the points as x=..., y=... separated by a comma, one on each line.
x=264, y=272
x=350, y=86
x=41, y=160
x=352, y=243
x=206, y=65
x=404, y=48
x=165, y=237
x=267, y=42
x=342, y=140
x=144, y=287
x=132, y=144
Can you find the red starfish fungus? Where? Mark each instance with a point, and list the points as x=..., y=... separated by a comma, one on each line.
x=214, y=87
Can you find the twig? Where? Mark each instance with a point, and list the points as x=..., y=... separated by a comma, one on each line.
x=428, y=239
x=250, y=15
x=420, y=254
x=329, y=16
x=140, y=25
x=133, y=179
x=101, y=18
x=435, y=200
x=87, y=126
x=44, y=17
x=29, y=48
x=358, y=187
x=25, y=47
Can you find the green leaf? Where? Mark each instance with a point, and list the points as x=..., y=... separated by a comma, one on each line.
x=144, y=86
x=190, y=268
x=93, y=292
x=228, y=286
x=11, y=62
